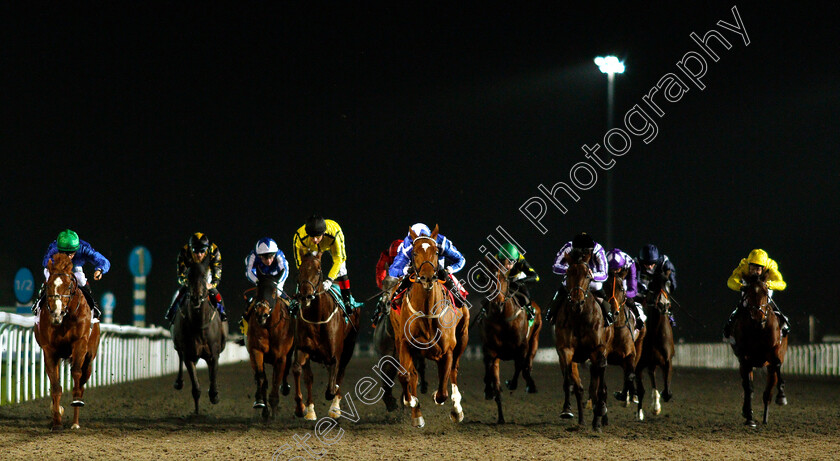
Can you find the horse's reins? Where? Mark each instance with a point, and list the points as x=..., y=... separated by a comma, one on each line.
x=73, y=285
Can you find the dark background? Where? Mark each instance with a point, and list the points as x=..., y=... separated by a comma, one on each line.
x=140, y=125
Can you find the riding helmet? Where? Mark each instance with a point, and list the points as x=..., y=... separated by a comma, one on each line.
x=315, y=226
x=421, y=229
x=67, y=241
x=649, y=254
x=199, y=241
x=583, y=241
x=758, y=257
x=508, y=251
x=266, y=245
x=615, y=259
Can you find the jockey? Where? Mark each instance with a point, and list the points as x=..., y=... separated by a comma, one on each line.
x=520, y=273
x=386, y=258
x=192, y=253
x=597, y=265
x=81, y=253
x=319, y=234
x=450, y=262
x=650, y=263
x=756, y=264
x=617, y=261
x=267, y=259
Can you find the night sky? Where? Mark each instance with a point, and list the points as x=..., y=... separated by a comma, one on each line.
x=142, y=125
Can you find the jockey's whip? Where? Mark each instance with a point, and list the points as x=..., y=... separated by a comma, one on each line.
x=686, y=312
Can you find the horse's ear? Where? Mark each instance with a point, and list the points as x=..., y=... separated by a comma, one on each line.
x=50, y=265
x=435, y=232
x=412, y=234
x=764, y=275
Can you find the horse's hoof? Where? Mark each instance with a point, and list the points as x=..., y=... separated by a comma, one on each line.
x=77, y=403
x=567, y=414
x=391, y=404
x=750, y=423
x=214, y=397
x=266, y=413
x=605, y=420
x=61, y=410
x=656, y=411
x=781, y=400
x=489, y=394
x=285, y=389
x=418, y=422
x=588, y=405
x=511, y=385
x=458, y=416
x=640, y=415
x=178, y=385
x=259, y=404
x=310, y=413
x=620, y=396
x=531, y=389
x=666, y=396
x=636, y=399
x=434, y=398
x=75, y=426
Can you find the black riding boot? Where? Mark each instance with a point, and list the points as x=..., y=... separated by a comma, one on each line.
x=783, y=320
x=176, y=304
x=727, y=329
x=633, y=307
x=94, y=308
x=559, y=297
x=216, y=297
x=606, y=308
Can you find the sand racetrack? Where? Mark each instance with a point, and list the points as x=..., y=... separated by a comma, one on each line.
x=148, y=419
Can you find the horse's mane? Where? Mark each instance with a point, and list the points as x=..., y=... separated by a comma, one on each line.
x=575, y=256
x=62, y=263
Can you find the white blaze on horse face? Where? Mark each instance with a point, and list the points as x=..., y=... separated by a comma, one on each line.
x=425, y=246
x=57, y=283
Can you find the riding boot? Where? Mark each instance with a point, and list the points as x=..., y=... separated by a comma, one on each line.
x=529, y=309
x=176, y=304
x=216, y=298
x=727, y=329
x=783, y=320
x=94, y=308
x=606, y=311
x=42, y=296
x=560, y=295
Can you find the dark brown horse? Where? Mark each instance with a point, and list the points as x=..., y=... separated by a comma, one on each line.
x=270, y=340
x=322, y=334
x=580, y=335
x=508, y=335
x=658, y=346
x=198, y=333
x=429, y=326
x=65, y=332
x=626, y=345
x=759, y=343
x=383, y=338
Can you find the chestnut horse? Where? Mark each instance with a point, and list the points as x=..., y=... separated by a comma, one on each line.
x=658, y=346
x=429, y=326
x=624, y=350
x=270, y=340
x=759, y=343
x=198, y=333
x=64, y=331
x=508, y=335
x=383, y=338
x=580, y=335
x=322, y=334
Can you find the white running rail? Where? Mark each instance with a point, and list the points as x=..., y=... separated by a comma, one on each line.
x=126, y=353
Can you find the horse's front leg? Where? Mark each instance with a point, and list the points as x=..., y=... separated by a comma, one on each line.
x=747, y=385
x=51, y=363
x=565, y=356
x=772, y=379
x=408, y=381
x=196, y=386
x=598, y=389
x=76, y=370
x=258, y=365
x=667, y=372
x=213, y=367
x=513, y=382
x=297, y=369
x=494, y=381
x=307, y=380
x=277, y=374
x=444, y=369
x=179, y=381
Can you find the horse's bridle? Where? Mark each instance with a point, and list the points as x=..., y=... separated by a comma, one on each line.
x=434, y=265
x=73, y=284
x=763, y=308
x=612, y=295
x=578, y=287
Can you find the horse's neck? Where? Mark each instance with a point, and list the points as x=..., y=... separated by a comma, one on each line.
x=423, y=300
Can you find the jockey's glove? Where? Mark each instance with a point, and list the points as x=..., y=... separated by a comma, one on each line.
x=327, y=284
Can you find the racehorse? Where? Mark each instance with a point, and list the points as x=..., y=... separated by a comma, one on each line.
x=508, y=335
x=64, y=331
x=580, y=335
x=270, y=340
x=758, y=343
x=429, y=326
x=624, y=350
x=322, y=334
x=383, y=338
x=658, y=346
x=198, y=333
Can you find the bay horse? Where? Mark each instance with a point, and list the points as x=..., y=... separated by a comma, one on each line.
x=658, y=346
x=508, y=335
x=64, y=331
x=322, y=334
x=429, y=326
x=383, y=339
x=580, y=335
x=759, y=343
x=625, y=349
x=269, y=340
x=198, y=333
